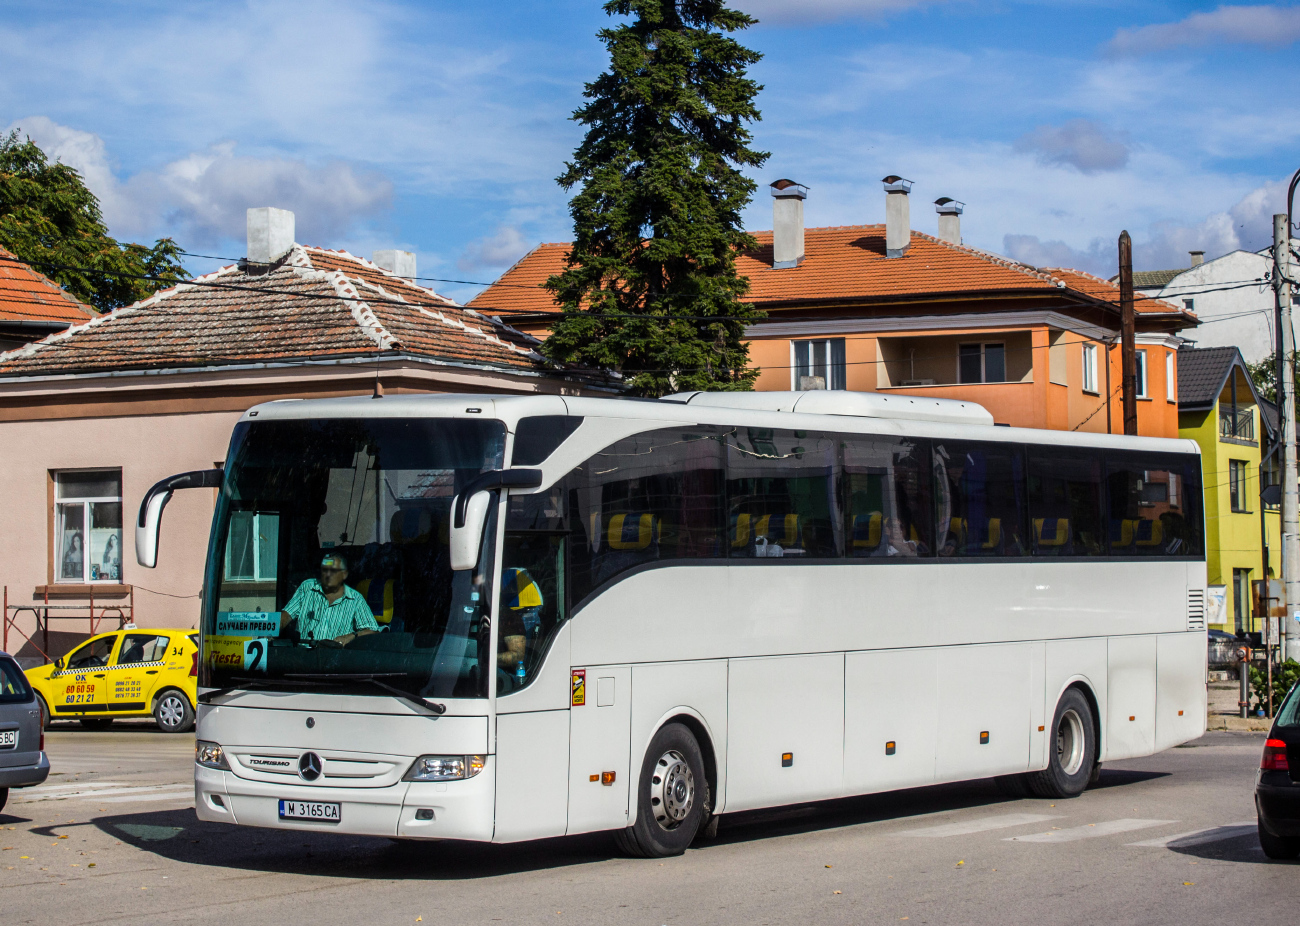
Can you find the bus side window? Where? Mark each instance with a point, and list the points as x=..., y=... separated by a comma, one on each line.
x=980, y=499
x=1065, y=517
x=887, y=484
x=1154, y=506
x=532, y=604
x=781, y=494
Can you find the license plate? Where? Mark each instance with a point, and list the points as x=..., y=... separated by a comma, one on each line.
x=8, y=738
x=310, y=810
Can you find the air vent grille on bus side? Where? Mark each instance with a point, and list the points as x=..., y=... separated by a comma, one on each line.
x=1196, y=609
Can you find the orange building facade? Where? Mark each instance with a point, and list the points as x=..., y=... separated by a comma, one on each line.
x=874, y=309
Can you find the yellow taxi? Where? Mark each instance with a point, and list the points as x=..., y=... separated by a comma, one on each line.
x=124, y=673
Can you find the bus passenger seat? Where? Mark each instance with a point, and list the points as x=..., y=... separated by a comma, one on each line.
x=994, y=535
x=1150, y=533
x=633, y=531
x=1121, y=532
x=779, y=529
x=739, y=531
x=381, y=603
x=1051, y=532
x=866, y=530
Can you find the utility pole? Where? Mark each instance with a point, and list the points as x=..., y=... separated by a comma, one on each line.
x=1128, y=335
x=1290, y=479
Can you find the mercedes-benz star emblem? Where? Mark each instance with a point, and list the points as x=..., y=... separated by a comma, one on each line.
x=309, y=766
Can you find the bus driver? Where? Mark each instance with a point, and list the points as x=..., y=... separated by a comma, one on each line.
x=328, y=609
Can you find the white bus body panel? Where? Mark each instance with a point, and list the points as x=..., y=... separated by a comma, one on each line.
x=778, y=705
x=890, y=696
x=532, y=775
x=984, y=709
x=598, y=745
x=1130, y=725
x=1180, y=688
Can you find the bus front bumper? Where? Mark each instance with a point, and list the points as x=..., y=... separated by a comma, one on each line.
x=454, y=809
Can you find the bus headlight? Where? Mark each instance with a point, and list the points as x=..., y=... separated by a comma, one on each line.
x=445, y=768
x=210, y=755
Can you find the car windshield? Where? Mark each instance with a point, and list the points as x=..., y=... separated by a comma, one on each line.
x=1289, y=715
x=328, y=567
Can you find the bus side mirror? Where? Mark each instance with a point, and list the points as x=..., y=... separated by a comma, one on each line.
x=469, y=511
x=155, y=500
x=466, y=538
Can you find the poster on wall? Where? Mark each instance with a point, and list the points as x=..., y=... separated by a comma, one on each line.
x=1216, y=605
x=106, y=554
x=72, y=560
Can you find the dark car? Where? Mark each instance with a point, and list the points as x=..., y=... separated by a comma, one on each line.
x=1277, y=786
x=22, y=741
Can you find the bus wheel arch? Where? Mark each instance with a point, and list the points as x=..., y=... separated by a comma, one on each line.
x=1073, y=746
x=678, y=760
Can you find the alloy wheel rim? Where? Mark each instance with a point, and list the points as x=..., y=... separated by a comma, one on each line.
x=1070, y=742
x=672, y=790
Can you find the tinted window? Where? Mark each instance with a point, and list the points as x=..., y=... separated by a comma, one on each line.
x=537, y=437
x=93, y=655
x=13, y=685
x=781, y=494
x=1065, y=511
x=1154, y=506
x=142, y=647
x=654, y=496
x=887, y=489
x=979, y=499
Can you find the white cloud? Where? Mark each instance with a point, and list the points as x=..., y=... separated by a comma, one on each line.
x=1079, y=143
x=1243, y=25
x=794, y=12
x=495, y=251
x=201, y=198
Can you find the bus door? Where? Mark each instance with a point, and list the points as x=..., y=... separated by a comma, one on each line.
x=599, y=722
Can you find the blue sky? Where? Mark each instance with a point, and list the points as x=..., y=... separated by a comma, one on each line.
x=439, y=127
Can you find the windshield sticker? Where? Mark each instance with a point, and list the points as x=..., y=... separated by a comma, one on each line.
x=579, y=687
x=248, y=624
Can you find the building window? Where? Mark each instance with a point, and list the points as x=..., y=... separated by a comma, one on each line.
x=88, y=526
x=1141, y=374
x=1171, y=391
x=1237, y=477
x=253, y=546
x=1189, y=305
x=1090, y=368
x=982, y=363
x=819, y=364
x=1241, y=599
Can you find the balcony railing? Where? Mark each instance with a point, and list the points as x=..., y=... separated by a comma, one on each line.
x=1239, y=424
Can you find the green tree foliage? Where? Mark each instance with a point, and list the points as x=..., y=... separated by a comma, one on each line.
x=1284, y=678
x=651, y=288
x=49, y=219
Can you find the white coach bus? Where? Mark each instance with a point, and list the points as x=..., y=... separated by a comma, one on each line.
x=521, y=617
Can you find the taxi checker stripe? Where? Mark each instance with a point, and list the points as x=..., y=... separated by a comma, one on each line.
x=127, y=665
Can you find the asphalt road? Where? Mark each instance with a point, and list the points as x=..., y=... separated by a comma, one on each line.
x=112, y=837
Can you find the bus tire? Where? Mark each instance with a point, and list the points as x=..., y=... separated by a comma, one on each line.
x=172, y=712
x=673, y=798
x=1072, y=750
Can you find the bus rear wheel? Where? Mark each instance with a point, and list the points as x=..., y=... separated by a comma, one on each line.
x=1072, y=751
x=673, y=798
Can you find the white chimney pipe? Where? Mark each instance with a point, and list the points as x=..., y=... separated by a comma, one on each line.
x=1198, y=258
x=270, y=234
x=949, y=218
x=898, y=216
x=787, y=223
x=398, y=263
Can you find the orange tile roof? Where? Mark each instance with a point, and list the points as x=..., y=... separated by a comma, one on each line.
x=841, y=264
x=28, y=296
x=314, y=304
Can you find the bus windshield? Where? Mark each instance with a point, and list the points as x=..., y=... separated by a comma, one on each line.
x=328, y=566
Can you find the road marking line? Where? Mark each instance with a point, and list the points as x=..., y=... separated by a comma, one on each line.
x=1090, y=831
x=95, y=793
x=983, y=824
x=168, y=796
x=1199, y=837
x=81, y=785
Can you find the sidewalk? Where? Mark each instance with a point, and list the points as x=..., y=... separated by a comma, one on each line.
x=1224, y=714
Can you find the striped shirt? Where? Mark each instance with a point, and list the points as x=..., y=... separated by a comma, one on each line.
x=320, y=619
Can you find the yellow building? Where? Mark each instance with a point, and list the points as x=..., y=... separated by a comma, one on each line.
x=1219, y=408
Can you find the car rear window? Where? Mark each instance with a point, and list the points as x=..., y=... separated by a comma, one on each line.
x=1289, y=715
x=13, y=684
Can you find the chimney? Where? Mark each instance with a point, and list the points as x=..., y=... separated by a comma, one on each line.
x=949, y=218
x=898, y=216
x=398, y=263
x=270, y=234
x=1198, y=258
x=787, y=223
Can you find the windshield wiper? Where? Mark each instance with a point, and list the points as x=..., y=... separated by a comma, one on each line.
x=374, y=679
x=245, y=684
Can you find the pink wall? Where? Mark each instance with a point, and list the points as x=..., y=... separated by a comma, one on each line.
x=146, y=449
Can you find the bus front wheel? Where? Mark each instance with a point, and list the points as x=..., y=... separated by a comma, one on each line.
x=673, y=798
x=1072, y=750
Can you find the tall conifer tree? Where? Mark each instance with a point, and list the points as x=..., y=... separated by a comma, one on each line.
x=650, y=287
